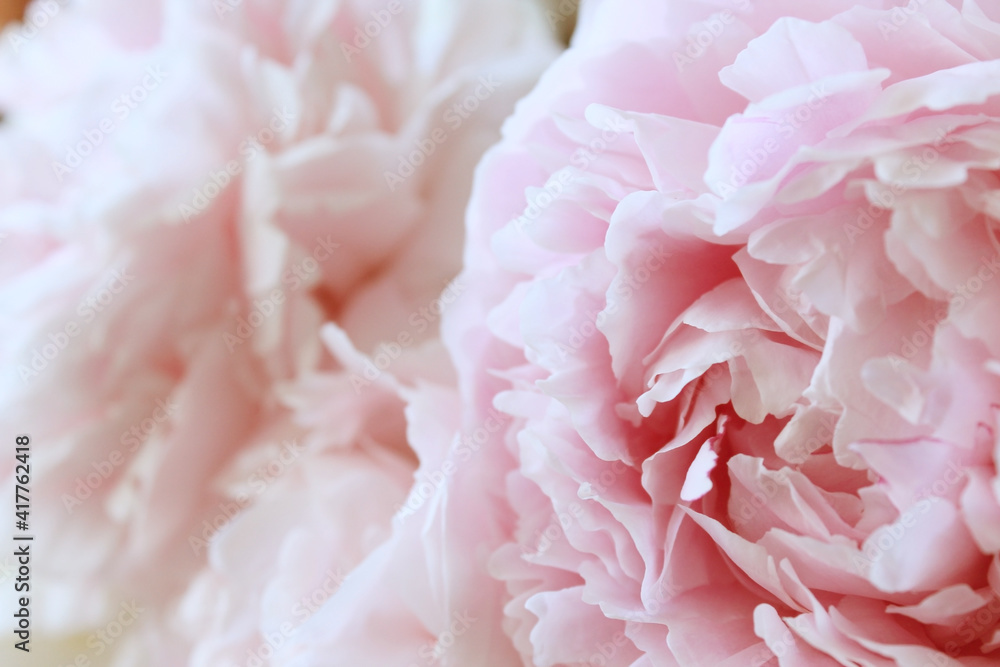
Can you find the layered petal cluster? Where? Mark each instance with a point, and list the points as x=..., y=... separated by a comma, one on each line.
x=734, y=296
x=191, y=191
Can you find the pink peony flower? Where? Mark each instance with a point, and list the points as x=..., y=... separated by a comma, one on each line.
x=192, y=190
x=717, y=386
x=728, y=357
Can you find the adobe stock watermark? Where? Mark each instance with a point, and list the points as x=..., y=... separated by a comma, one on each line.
x=885, y=537
x=419, y=321
x=218, y=179
x=788, y=301
x=88, y=309
x=365, y=35
x=581, y=160
x=566, y=10
x=702, y=35
x=653, y=606
x=767, y=489
x=294, y=277
x=629, y=284
x=913, y=168
x=453, y=117
x=258, y=481
x=768, y=486
x=559, y=521
x=781, y=647
x=37, y=16
x=554, y=531
x=787, y=126
x=605, y=651
x=820, y=436
x=103, y=639
x=304, y=608
x=899, y=16
x=121, y=108
x=224, y=7
x=973, y=626
x=130, y=440
x=959, y=297
x=432, y=652
x=427, y=483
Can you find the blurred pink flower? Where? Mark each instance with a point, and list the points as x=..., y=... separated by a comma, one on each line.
x=730, y=286
x=191, y=190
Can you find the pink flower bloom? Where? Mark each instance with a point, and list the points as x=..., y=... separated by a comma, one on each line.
x=732, y=287
x=191, y=191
